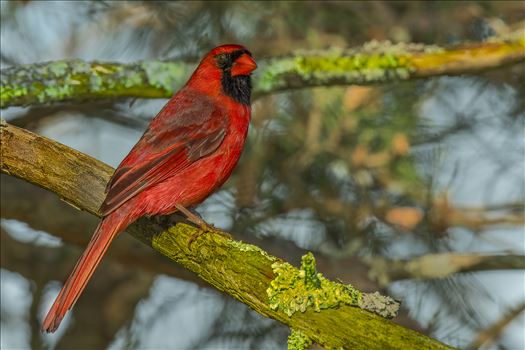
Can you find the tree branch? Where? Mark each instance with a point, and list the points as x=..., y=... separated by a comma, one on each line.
x=430, y=266
x=243, y=271
x=492, y=332
x=74, y=227
x=372, y=63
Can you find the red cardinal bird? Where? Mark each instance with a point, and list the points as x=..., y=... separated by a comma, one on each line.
x=188, y=151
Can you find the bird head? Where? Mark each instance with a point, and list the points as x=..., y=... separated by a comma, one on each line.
x=235, y=59
x=226, y=68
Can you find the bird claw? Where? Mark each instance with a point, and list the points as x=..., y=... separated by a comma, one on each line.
x=203, y=225
x=207, y=228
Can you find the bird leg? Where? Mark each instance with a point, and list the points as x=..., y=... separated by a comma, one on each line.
x=195, y=218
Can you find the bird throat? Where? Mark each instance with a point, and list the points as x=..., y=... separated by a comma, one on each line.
x=239, y=87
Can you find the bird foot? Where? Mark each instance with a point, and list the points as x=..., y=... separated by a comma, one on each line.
x=204, y=229
x=203, y=225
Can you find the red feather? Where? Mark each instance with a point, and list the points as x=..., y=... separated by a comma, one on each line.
x=188, y=151
x=168, y=146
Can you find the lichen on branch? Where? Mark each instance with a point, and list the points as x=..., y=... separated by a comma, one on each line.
x=78, y=80
x=372, y=63
x=294, y=290
x=297, y=340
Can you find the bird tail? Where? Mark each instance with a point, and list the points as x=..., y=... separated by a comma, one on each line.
x=106, y=231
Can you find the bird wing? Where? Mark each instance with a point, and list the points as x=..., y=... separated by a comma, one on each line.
x=187, y=129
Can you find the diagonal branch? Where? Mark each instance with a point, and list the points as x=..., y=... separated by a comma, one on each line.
x=442, y=265
x=372, y=63
x=243, y=271
x=490, y=334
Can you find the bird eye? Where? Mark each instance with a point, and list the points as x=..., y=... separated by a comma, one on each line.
x=222, y=60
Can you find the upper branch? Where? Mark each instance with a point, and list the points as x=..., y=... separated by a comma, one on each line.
x=372, y=63
x=247, y=273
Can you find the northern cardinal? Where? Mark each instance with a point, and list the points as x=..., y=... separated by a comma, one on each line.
x=188, y=151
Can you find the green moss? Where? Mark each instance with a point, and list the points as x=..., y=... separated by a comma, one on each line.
x=297, y=340
x=295, y=290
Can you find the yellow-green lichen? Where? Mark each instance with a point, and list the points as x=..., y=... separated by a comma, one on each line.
x=57, y=68
x=272, y=75
x=245, y=247
x=62, y=80
x=164, y=241
x=132, y=79
x=7, y=93
x=359, y=67
x=295, y=290
x=165, y=75
x=373, y=62
x=297, y=340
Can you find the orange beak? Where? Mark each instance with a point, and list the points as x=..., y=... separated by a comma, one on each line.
x=244, y=65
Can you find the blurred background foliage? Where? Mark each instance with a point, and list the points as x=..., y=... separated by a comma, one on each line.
x=355, y=174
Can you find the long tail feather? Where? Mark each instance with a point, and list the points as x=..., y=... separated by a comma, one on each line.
x=106, y=231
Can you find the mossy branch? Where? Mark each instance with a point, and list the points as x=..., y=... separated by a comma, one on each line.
x=372, y=63
x=243, y=271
